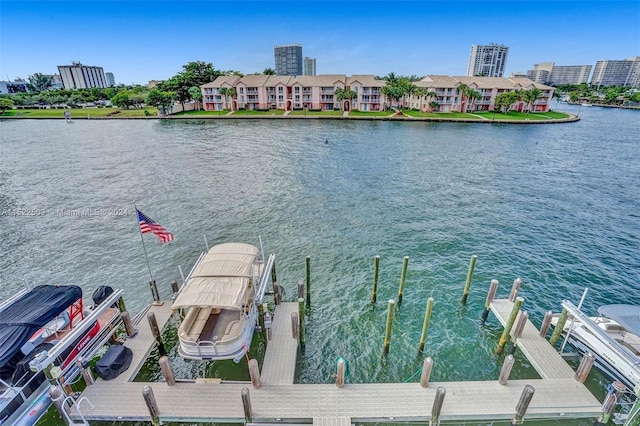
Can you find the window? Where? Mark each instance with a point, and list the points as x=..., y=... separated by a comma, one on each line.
x=280, y=90
x=296, y=89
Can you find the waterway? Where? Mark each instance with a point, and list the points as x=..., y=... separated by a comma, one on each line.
x=556, y=205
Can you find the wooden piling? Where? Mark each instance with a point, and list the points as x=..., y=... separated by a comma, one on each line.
x=507, y=365
x=174, y=287
x=246, y=405
x=155, y=331
x=277, y=298
x=121, y=305
x=376, y=270
x=387, y=334
x=295, y=325
x=340, y=373
x=403, y=278
x=584, y=368
x=557, y=331
x=437, y=406
x=493, y=287
x=58, y=397
x=523, y=404
x=308, y=274
x=507, y=327
x=515, y=289
x=301, y=314
x=517, y=331
x=546, y=323
x=167, y=371
x=427, y=366
x=154, y=293
x=425, y=324
x=467, y=284
x=274, y=277
x=128, y=324
x=300, y=289
x=254, y=373
x=152, y=405
x=85, y=369
x=267, y=324
x=261, y=312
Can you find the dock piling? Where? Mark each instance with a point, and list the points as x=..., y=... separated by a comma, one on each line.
x=246, y=405
x=254, y=373
x=174, y=287
x=308, y=274
x=523, y=404
x=58, y=397
x=585, y=367
x=437, y=406
x=403, y=278
x=491, y=294
x=427, y=366
x=425, y=324
x=387, y=334
x=261, y=311
x=85, y=369
x=268, y=322
x=274, y=277
x=515, y=289
x=509, y=324
x=128, y=324
x=340, y=373
x=301, y=315
x=546, y=323
x=300, y=289
x=153, y=323
x=467, y=284
x=507, y=365
x=295, y=325
x=517, y=332
x=376, y=270
x=152, y=405
x=277, y=296
x=557, y=331
x=167, y=371
x=154, y=292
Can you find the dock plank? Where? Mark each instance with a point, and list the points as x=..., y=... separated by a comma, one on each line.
x=279, y=366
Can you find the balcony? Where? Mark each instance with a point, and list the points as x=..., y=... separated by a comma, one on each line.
x=327, y=90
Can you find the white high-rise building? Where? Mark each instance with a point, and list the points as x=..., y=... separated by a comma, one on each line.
x=111, y=80
x=78, y=76
x=617, y=73
x=487, y=60
x=555, y=75
x=309, y=66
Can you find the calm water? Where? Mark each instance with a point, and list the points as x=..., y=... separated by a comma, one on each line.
x=557, y=205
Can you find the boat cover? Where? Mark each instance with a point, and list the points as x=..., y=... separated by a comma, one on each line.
x=114, y=361
x=220, y=278
x=30, y=312
x=627, y=316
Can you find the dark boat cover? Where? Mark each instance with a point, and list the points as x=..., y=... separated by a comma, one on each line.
x=627, y=316
x=30, y=312
x=114, y=361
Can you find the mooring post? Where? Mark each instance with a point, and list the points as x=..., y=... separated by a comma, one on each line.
x=276, y=293
x=155, y=331
x=340, y=373
x=268, y=322
x=634, y=413
x=300, y=289
x=517, y=332
x=523, y=404
x=437, y=406
x=246, y=405
x=295, y=325
x=387, y=334
x=167, y=371
x=254, y=373
x=467, y=284
x=546, y=323
x=308, y=270
x=427, y=366
x=85, y=369
x=376, y=270
x=261, y=311
x=425, y=324
x=154, y=292
x=301, y=314
x=274, y=277
x=58, y=397
x=585, y=367
x=515, y=289
x=152, y=405
x=121, y=305
x=174, y=287
x=557, y=331
x=403, y=278
x=493, y=287
x=507, y=365
x=611, y=402
x=128, y=324
x=507, y=327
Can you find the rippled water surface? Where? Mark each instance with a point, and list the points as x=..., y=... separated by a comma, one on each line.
x=557, y=205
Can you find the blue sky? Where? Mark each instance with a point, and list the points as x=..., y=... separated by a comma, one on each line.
x=144, y=40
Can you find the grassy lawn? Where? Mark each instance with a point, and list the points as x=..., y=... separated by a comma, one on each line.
x=440, y=115
x=251, y=112
x=209, y=113
x=514, y=115
x=371, y=113
x=315, y=113
x=80, y=112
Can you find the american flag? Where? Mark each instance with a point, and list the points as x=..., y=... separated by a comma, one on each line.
x=148, y=225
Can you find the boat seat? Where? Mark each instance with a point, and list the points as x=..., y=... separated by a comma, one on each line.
x=233, y=328
x=193, y=324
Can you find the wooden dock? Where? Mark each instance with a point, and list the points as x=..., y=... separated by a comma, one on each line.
x=557, y=394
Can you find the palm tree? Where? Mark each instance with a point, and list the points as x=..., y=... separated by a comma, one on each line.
x=433, y=105
x=420, y=92
x=269, y=71
x=347, y=93
x=472, y=95
x=530, y=96
x=229, y=93
x=463, y=89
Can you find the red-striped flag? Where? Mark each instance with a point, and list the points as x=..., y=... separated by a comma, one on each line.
x=149, y=225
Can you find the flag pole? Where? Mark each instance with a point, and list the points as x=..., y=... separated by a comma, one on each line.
x=143, y=246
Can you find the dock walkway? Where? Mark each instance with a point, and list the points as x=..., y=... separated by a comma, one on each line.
x=557, y=394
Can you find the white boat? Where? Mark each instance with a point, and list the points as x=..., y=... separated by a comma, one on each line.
x=612, y=337
x=47, y=327
x=220, y=296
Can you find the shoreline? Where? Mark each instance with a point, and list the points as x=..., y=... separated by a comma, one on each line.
x=571, y=119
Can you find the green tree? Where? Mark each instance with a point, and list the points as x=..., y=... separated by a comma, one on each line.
x=5, y=104
x=196, y=95
x=473, y=96
x=198, y=73
x=531, y=96
x=269, y=71
x=504, y=100
x=420, y=93
x=161, y=100
x=342, y=94
x=228, y=93
x=122, y=99
x=463, y=89
x=433, y=105
x=39, y=82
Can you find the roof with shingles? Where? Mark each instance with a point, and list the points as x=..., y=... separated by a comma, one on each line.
x=275, y=80
x=445, y=81
x=254, y=80
x=223, y=80
x=319, y=80
x=365, y=80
